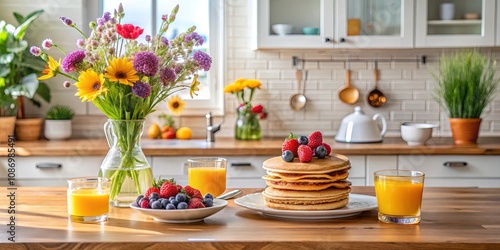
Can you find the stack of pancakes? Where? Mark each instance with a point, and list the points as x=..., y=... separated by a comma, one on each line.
x=317, y=185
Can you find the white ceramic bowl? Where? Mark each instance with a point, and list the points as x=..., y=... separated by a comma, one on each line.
x=282, y=29
x=415, y=133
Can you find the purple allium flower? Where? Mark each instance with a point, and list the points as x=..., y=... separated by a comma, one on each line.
x=164, y=40
x=204, y=60
x=105, y=18
x=167, y=75
x=141, y=89
x=80, y=43
x=66, y=84
x=148, y=38
x=146, y=63
x=66, y=21
x=47, y=44
x=196, y=38
x=34, y=50
x=71, y=61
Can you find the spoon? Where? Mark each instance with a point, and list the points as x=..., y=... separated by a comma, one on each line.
x=298, y=101
x=376, y=98
x=348, y=94
x=229, y=195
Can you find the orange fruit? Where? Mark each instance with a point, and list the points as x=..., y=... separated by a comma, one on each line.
x=183, y=133
x=154, y=131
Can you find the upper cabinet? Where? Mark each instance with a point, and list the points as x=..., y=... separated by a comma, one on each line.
x=455, y=23
x=328, y=24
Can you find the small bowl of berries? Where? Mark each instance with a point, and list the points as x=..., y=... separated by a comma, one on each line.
x=168, y=202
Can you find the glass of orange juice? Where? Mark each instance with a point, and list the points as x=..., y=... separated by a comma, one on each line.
x=88, y=199
x=207, y=174
x=399, y=195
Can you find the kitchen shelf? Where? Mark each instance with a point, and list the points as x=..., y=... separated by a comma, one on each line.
x=423, y=60
x=455, y=22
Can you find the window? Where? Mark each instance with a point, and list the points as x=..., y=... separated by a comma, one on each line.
x=206, y=15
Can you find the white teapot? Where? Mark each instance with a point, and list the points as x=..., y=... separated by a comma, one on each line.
x=360, y=128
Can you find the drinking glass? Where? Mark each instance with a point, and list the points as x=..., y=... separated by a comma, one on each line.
x=399, y=195
x=207, y=174
x=88, y=199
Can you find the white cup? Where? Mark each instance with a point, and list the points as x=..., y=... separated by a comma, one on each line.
x=447, y=11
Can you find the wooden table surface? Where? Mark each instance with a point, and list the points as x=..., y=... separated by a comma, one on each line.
x=458, y=218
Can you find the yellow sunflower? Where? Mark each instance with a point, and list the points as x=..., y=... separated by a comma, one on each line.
x=90, y=85
x=176, y=105
x=121, y=70
x=252, y=83
x=194, y=86
x=51, y=69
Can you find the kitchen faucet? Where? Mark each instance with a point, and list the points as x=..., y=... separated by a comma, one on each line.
x=211, y=129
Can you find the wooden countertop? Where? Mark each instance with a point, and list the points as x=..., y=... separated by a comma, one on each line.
x=457, y=218
x=269, y=146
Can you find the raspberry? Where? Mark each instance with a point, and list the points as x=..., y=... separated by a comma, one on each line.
x=315, y=139
x=291, y=144
x=151, y=190
x=328, y=148
x=195, y=203
x=305, y=153
x=193, y=192
x=145, y=203
x=167, y=190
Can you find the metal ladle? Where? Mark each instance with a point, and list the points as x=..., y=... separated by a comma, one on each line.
x=348, y=94
x=299, y=100
x=376, y=98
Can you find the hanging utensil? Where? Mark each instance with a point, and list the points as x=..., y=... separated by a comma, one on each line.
x=299, y=100
x=348, y=94
x=376, y=98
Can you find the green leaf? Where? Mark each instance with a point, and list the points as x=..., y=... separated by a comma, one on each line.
x=44, y=92
x=21, y=29
x=27, y=87
x=19, y=17
x=6, y=58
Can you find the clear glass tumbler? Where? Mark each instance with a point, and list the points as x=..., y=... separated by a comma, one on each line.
x=399, y=195
x=207, y=174
x=88, y=199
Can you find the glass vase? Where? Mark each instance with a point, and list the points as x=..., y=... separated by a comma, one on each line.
x=247, y=125
x=125, y=163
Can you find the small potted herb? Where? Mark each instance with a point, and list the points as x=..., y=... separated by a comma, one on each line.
x=58, y=122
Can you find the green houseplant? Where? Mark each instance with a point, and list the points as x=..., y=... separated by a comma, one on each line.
x=58, y=122
x=465, y=85
x=18, y=75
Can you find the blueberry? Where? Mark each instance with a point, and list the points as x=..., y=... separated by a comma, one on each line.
x=180, y=197
x=151, y=200
x=154, y=195
x=209, y=196
x=170, y=206
x=208, y=202
x=320, y=152
x=182, y=205
x=138, y=200
x=156, y=205
x=287, y=156
x=173, y=201
x=165, y=202
x=303, y=140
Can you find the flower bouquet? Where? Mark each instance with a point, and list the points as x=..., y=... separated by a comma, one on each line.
x=125, y=80
x=247, y=124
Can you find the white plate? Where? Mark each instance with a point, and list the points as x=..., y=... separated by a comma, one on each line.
x=357, y=204
x=181, y=215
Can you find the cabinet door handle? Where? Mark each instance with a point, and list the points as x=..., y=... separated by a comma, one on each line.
x=241, y=164
x=48, y=165
x=327, y=40
x=455, y=164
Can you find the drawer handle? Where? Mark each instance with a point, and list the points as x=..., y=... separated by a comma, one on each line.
x=455, y=164
x=241, y=164
x=48, y=165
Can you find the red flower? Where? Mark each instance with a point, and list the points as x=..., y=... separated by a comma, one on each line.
x=129, y=31
x=257, y=109
x=263, y=115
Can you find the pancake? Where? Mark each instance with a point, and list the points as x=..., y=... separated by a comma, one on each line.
x=304, y=184
x=315, y=166
x=333, y=176
x=330, y=198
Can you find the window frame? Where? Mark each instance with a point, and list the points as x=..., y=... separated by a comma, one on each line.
x=94, y=9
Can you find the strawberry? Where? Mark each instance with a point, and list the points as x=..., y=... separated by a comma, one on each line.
x=145, y=203
x=168, y=190
x=328, y=148
x=195, y=203
x=193, y=192
x=291, y=144
x=305, y=153
x=151, y=190
x=315, y=139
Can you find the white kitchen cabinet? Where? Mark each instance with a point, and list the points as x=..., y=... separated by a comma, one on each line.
x=357, y=173
x=455, y=170
x=379, y=162
x=341, y=23
x=431, y=31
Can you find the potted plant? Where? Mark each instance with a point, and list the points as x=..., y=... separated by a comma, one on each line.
x=18, y=76
x=465, y=85
x=58, y=122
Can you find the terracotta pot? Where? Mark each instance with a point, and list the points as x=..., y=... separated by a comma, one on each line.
x=28, y=129
x=465, y=130
x=7, y=125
